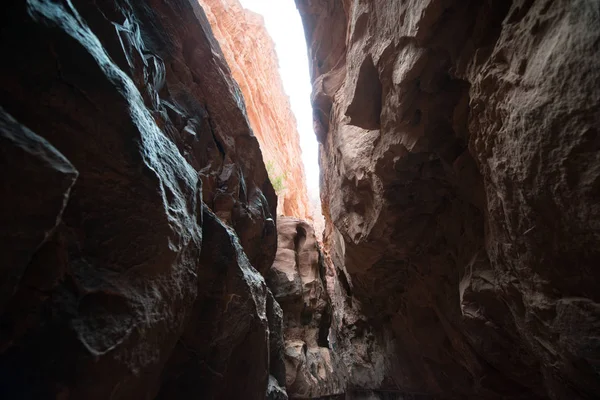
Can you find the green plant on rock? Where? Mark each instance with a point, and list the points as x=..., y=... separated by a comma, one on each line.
x=277, y=181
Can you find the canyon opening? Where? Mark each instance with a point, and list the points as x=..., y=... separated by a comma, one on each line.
x=263, y=44
x=162, y=235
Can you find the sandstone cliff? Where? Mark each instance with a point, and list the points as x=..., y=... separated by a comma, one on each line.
x=460, y=183
x=137, y=215
x=250, y=53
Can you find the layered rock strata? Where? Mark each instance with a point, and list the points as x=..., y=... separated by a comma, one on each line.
x=460, y=182
x=250, y=53
x=137, y=213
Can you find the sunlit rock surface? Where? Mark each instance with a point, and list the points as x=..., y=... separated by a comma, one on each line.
x=250, y=53
x=461, y=184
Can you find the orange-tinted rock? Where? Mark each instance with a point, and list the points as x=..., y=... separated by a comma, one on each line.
x=250, y=53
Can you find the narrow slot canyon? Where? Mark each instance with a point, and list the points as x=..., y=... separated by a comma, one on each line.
x=164, y=236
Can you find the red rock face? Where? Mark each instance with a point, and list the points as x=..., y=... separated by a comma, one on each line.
x=250, y=53
x=461, y=178
x=137, y=213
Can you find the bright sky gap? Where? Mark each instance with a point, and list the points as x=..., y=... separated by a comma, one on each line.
x=285, y=27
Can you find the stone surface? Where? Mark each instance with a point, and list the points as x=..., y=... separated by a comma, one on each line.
x=460, y=184
x=250, y=53
x=124, y=147
x=224, y=350
x=35, y=198
x=361, y=348
x=298, y=281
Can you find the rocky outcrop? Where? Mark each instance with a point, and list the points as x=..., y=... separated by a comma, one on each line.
x=460, y=183
x=298, y=281
x=137, y=213
x=331, y=349
x=250, y=53
x=361, y=347
x=225, y=347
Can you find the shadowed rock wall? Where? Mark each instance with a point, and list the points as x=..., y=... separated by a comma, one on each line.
x=460, y=182
x=137, y=216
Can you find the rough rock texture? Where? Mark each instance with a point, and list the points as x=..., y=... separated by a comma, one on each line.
x=250, y=53
x=361, y=348
x=298, y=281
x=124, y=147
x=461, y=175
x=224, y=349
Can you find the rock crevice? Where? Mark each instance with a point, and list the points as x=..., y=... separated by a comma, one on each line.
x=142, y=256
x=250, y=53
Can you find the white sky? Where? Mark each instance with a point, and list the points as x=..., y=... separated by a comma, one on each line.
x=285, y=27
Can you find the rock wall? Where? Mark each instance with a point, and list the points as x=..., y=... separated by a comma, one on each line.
x=137, y=213
x=460, y=184
x=250, y=53
x=298, y=281
x=331, y=349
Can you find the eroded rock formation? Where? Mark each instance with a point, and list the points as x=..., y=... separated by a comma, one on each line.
x=461, y=179
x=137, y=214
x=298, y=281
x=250, y=53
